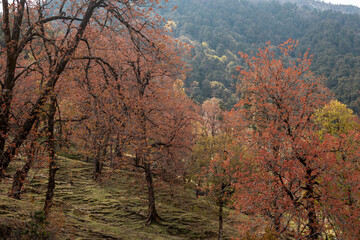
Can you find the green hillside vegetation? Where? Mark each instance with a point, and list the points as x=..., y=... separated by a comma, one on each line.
x=219, y=29
x=115, y=208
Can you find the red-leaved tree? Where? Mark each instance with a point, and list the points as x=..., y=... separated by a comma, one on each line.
x=292, y=175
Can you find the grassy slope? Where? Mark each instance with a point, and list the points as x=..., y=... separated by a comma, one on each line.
x=113, y=209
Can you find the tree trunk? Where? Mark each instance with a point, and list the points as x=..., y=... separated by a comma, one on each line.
x=198, y=189
x=314, y=232
x=276, y=216
x=153, y=217
x=4, y=128
x=312, y=221
x=112, y=155
x=277, y=223
x=97, y=166
x=11, y=37
x=118, y=151
x=51, y=187
x=221, y=203
x=20, y=175
x=52, y=165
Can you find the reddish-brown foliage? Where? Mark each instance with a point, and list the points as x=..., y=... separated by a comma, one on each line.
x=292, y=177
x=102, y=72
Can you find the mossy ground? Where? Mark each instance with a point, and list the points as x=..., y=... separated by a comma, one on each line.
x=114, y=208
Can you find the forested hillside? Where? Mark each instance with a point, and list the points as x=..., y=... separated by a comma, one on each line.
x=219, y=29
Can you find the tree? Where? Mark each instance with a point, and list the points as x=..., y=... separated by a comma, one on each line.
x=207, y=145
x=287, y=177
x=336, y=119
x=51, y=145
x=48, y=45
x=213, y=116
x=139, y=105
x=218, y=175
x=160, y=113
x=50, y=33
x=211, y=158
x=19, y=35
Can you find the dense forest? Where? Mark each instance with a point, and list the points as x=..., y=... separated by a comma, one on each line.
x=198, y=119
x=218, y=30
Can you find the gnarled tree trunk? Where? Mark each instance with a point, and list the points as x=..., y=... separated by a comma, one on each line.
x=97, y=165
x=314, y=231
x=52, y=164
x=20, y=175
x=153, y=217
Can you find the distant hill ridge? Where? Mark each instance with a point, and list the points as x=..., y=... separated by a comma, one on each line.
x=320, y=5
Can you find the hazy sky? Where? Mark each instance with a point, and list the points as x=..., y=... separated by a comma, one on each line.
x=345, y=2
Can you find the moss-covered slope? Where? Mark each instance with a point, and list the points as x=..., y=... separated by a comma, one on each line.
x=114, y=208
